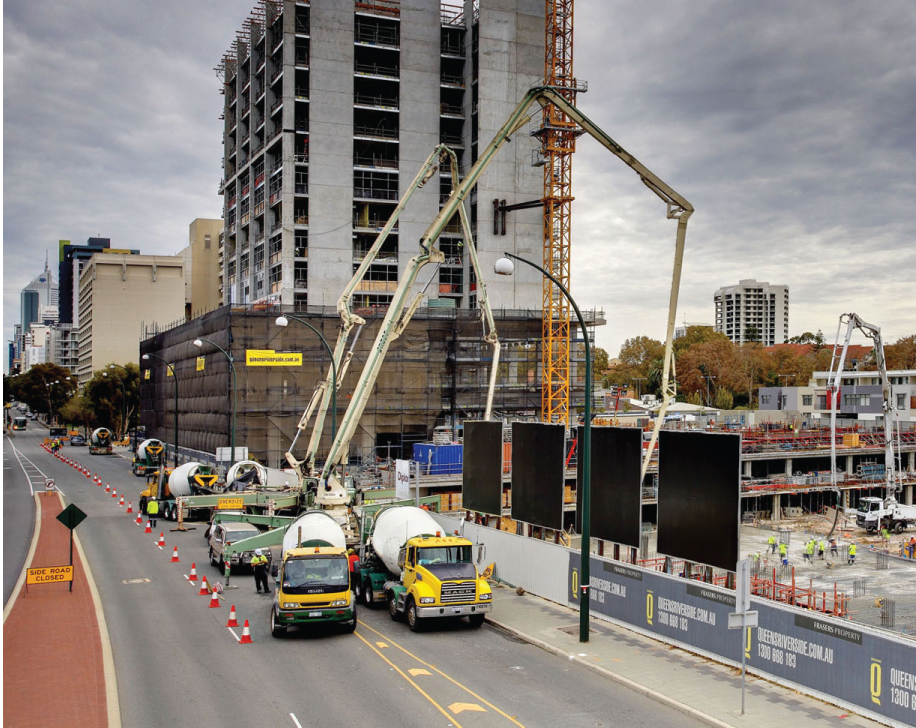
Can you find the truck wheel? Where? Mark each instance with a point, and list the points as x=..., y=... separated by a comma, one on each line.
x=393, y=608
x=279, y=630
x=899, y=526
x=365, y=591
x=350, y=627
x=413, y=618
x=476, y=620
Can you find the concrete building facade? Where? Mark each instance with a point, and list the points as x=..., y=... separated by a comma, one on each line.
x=753, y=304
x=118, y=296
x=330, y=111
x=202, y=266
x=72, y=259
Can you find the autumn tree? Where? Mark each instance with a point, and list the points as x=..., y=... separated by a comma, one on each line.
x=634, y=361
x=902, y=353
x=697, y=335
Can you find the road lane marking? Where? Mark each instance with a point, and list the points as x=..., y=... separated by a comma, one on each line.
x=461, y=707
x=381, y=645
x=408, y=679
x=419, y=671
x=237, y=638
x=295, y=720
x=447, y=677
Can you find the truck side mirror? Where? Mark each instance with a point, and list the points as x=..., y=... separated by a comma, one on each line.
x=481, y=552
x=402, y=557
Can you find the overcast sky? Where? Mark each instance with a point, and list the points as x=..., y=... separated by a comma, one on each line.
x=788, y=125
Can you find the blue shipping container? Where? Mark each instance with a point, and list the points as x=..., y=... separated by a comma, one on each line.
x=439, y=459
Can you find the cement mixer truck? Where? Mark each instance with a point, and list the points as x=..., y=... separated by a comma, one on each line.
x=182, y=481
x=420, y=573
x=100, y=441
x=148, y=457
x=313, y=580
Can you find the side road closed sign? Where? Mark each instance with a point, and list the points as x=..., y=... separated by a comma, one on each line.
x=49, y=574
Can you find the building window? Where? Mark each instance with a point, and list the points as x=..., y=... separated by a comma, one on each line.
x=764, y=399
x=822, y=401
x=807, y=399
x=206, y=242
x=901, y=401
x=855, y=400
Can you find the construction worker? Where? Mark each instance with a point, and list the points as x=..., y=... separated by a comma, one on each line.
x=809, y=550
x=784, y=554
x=911, y=546
x=772, y=543
x=886, y=537
x=353, y=560
x=833, y=547
x=259, y=564
x=820, y=549
x=152, y=510
x=852, y=554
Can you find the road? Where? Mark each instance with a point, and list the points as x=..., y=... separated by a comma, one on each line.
x=178, y=664
x=18, y=511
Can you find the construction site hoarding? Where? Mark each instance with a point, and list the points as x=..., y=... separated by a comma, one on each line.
x=827, y=657
x=538, y=473
x=616, y=485
x=482, y=477
x=699, y=496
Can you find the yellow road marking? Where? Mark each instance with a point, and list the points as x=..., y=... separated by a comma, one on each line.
x=418, y=671
x=381, y=645
x=402, y=674
x=460, y=707
x=450, y=679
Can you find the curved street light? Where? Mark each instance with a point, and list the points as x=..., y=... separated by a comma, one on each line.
x=284, y=322
x=505, y=267
x=199, y=342
x=146, y=357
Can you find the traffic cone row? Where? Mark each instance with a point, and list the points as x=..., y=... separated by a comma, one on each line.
x=214, y=600
x=233, y=622
x=149, y=529
x=204, y=587
x=139, y=520
x=121, y=502
x=246, y=635
x=193, y=575
x=175, y=556
x=161, y=542
x=130, y=505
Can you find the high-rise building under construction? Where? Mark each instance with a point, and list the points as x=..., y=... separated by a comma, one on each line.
x=330, y=110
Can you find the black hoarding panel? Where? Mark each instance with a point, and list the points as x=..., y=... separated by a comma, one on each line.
x=537, y=473
x=482, y=479
x=616, y=484
x=699, y=481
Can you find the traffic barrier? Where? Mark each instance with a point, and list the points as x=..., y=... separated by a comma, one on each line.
x=233, y=622
x=246, y=635
x=149, y=529
x=130, y=507
x=174, y=556
x=161, y=542
x=204, y=587
x=193, y=575
x=214, y=600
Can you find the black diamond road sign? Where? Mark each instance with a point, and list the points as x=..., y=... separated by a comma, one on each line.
x=71, y=516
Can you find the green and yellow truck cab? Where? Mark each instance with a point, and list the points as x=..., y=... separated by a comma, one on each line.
x=313, y=586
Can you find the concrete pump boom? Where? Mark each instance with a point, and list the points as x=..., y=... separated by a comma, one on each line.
x=396, y=319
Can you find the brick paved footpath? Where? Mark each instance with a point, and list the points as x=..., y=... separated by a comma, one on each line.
x=53, y=667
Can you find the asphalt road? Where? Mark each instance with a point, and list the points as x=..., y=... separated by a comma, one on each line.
x=18, y=510
x=178, y=664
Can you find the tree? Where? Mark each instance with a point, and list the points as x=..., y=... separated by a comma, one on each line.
x=78, y=412
x=634, y=361
x=599, y=363
x=44, y=388
x=751, y=334
x=724, y=399
x=106, y=397
x=902, y=353
x=697, y=335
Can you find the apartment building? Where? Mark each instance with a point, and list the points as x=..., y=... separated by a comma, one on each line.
x=330, y=111
x=202, y=266
x=118, y=296
x=756, y=308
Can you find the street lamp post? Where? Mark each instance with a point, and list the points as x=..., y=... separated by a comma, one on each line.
x=284, y=321
x=199, y=342
x=505, y=267
x=123, y=401
x=146, y=357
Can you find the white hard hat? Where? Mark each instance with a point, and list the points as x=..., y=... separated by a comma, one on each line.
x=257, y=552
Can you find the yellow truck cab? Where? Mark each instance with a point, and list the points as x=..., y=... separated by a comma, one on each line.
x=438, y=579
x=313, y=586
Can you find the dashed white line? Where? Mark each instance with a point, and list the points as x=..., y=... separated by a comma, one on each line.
x=239, y=639
x=295, y=720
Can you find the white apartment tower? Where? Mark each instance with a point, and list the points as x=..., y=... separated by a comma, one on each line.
x=331, y=109
x=753, y=305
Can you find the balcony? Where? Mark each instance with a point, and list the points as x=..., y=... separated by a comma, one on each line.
x=301, y=220
x=371, y=224
x=374, y=162
x=302, y=60
x=302, y=94
x=452, y=81
x=369, y=193
x=374, y=132
x=374, y=35
x=276, y=74
x=375, y=70
x=451, y=110
x=376, y=102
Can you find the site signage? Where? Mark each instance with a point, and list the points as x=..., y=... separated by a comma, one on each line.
x=819, y=654
x=271, y=358
x=230, y=504
x=49, y=574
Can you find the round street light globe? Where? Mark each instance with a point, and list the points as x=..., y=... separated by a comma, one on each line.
x=282, y=321
x=198, y=343
x=504, y=267
x=145, y=357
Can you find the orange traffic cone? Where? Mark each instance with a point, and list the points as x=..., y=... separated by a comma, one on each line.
x=161, y=542
x=130, y=505
x=149, y=529
x=233, y=622
x=214, y=600
x=139, y=518
x=87, y=474
x=174, y=556
x=204, y=587
x=193, y=575
x=114, y=493
x=107, y=488
x=246, y=635
x=121, y=502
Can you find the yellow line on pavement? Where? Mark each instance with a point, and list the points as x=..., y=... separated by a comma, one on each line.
x=407, y=678
x=450, y=679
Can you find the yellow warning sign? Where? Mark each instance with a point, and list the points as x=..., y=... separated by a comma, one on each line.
x=201, y=362
x=230, y=504
x=154, y=449
x=49, y=574
x=206, y=479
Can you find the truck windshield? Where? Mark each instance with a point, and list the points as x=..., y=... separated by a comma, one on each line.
x=869, y=506
x=306, y=575
x=448, y=562
x=233, y=536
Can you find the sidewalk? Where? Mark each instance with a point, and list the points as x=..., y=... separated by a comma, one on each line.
x=53, y=652
x=686, y=682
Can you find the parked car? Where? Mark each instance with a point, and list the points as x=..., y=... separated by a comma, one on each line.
x=223, y=534
x=77, y=440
